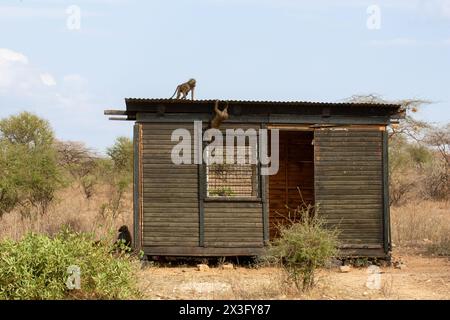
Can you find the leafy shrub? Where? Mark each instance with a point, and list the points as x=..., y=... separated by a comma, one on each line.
x=28, y=165
x=37, y=268
x=88, y=184
x=404, y=162
x=303, y=247
x=122, y=154
x=26, y=129
x=419, y=162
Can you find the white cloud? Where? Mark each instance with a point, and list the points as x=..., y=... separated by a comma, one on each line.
x=48, y=79
x=15, y=72
x=24, y=81
x=8, y=56
x=19, y=77
x=74, y=112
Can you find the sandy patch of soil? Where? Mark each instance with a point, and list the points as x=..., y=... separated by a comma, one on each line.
x=423, y=277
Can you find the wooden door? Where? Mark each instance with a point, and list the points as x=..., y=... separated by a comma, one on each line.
x=294, y=182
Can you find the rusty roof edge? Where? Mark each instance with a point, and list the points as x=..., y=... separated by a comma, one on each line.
x=115, y=112
x=262, y=102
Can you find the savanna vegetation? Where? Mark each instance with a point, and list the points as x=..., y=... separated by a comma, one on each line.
x=419, y=158
x=46, y=186
x=47, y=183
x=304, y=245
x=39, y=267
x=61, y=204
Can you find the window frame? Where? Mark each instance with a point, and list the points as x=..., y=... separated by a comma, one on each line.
x=207, y=198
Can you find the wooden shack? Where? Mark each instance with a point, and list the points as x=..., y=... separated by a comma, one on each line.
x=336, y=154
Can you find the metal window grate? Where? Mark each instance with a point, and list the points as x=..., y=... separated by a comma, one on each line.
x=236, y=179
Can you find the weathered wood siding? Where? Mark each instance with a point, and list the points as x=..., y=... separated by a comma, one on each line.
x=170, y=192
x=137, y=199
x=349, y=184
x=233, y=224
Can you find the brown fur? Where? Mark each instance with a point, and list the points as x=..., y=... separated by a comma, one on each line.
x=183, y=90
x=124, y=236
x=220, y=115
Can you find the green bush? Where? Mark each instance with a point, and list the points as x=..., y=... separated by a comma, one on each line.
x=302, y=248
x=122, y=154
x=37, y=268
x=28, y=164
x=27, y=129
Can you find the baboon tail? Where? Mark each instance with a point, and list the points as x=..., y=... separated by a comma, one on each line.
x=176, y=89
x=216, y=106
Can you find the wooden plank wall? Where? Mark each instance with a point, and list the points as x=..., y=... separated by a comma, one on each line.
x=137, y=227
x=170, y=192
x=348, y=184
x=233, y=224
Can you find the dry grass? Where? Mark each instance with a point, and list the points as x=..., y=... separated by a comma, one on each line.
x=422, y=224
x=424, y=278
x=387, y=287
x=71, y=208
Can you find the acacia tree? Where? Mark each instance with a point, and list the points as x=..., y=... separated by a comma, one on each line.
x=437, y=181
x=81, y=163
x=27, y=129
x=119, y=168
x=439, y=138
x=30, y=176
x=122, y=154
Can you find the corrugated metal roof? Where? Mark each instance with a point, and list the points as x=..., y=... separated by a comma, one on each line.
x=260, y=102
x=258, y=107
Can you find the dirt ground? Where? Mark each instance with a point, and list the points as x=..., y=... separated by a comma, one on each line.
x=422, y=277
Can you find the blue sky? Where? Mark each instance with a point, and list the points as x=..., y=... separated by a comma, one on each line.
x=236, y=49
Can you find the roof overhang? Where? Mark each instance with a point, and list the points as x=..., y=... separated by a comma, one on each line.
x=239, y=107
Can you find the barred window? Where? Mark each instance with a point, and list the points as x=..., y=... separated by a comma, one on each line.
x=237, y=177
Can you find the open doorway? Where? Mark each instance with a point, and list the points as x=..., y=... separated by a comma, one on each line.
x=296, y=172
